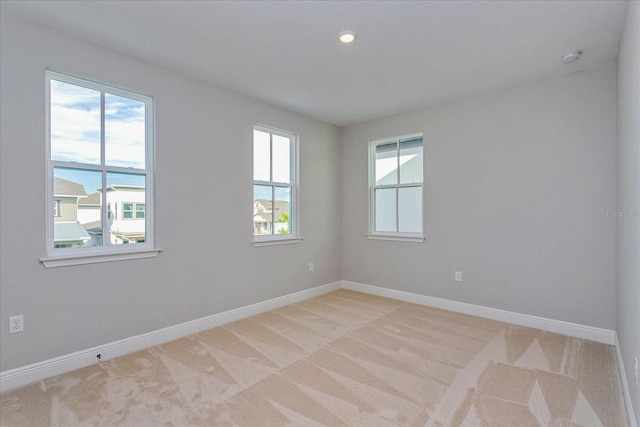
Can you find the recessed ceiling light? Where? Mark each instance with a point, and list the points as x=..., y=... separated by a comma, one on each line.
x=571, y=56
x=347, y=37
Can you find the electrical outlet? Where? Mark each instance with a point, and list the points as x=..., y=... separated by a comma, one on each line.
x=310, y=266
x=16, y=324
x=458, y=276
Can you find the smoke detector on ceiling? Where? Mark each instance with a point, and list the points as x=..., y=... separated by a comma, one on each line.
x=571, y=56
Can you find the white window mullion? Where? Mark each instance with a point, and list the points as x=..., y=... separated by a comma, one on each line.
x=397, y=186
x=273, y=207
x=292, y=220
x=102, y=130
x=273, y=188
x=106, y=240
x=49, y=238
x=149, y=181
x=270, y=157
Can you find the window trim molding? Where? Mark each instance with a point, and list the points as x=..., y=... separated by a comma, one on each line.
x=274, y=242
x=391, y=235
x=295, y=235
x=409, y=237
x=95, y=258
x=58, y=257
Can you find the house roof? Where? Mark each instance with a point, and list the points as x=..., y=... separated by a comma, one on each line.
x=116, y=187
x=63, y=187
x=91, y=200
x=93, y=226
x=69, y=232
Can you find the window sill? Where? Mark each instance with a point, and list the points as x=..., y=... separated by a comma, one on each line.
x=273, y=242
x=396, y=238
x=80, y=259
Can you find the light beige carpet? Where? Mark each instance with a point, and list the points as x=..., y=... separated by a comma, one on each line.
x=342, y=359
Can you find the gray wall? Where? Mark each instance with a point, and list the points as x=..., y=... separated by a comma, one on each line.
x=628, y=225
x=204, y=178
x=516, y=183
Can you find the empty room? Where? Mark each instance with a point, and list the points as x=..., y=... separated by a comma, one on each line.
x=338, y=213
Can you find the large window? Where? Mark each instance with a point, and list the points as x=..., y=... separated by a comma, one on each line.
x=275, y=213
x=100, y=157
x=395, y=186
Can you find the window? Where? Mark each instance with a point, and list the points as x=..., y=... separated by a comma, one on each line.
x=127, y=210
x=100, y=154
x=275, y=213
x=133, y=211
x=395, y=185
x=140, y=210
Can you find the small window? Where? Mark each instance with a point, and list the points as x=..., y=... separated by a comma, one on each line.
x=275, y=214
x=127, y=210
x=133, y=211
x=140, y=212
x=100, y=155
x=396, y=188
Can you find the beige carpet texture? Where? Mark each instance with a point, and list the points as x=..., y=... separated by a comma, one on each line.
x=341, y=359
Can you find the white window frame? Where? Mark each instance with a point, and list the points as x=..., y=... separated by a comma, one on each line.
x=391, y=235
x=60, y=257
x=294, y=235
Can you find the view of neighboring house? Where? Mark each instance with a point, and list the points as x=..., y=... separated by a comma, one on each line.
x=89, y=217
x=126, y=214
x=264, y=215
x=67, y=230
x=77, y=217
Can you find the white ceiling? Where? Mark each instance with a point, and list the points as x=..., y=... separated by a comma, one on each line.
x=409, y=54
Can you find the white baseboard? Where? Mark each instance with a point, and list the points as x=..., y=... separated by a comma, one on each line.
x=625, y=386
x=557, y=326
x=22, y=376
